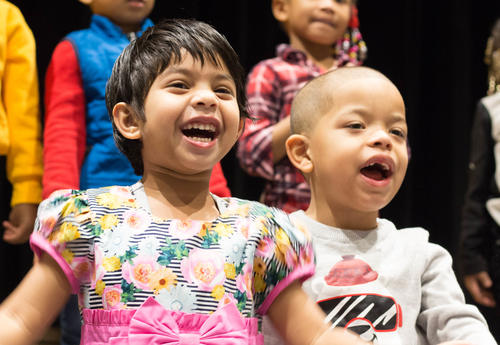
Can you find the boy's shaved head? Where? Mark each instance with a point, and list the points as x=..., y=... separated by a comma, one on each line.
x=318, y=95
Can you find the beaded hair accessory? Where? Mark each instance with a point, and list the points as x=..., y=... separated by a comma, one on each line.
x=492, y=59
x=351, y=49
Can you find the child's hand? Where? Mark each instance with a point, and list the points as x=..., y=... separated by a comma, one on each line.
x=479, y=285
x=20, y=224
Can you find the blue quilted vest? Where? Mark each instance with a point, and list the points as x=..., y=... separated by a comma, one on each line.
x=97, y=48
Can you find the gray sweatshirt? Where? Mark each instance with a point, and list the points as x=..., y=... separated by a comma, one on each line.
x=390, y=286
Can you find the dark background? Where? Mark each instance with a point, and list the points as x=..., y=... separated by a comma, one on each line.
x=432, y=50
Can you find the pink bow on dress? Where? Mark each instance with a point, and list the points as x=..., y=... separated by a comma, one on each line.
x=152, y=324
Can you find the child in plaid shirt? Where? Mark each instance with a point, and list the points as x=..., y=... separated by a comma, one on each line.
x=323, y=35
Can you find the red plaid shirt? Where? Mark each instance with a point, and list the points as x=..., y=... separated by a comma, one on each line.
x=272, y=85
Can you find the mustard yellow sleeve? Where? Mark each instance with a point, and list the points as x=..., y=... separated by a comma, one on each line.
x=21, y=105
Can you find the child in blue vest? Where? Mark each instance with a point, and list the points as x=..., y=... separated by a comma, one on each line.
x=79, y=151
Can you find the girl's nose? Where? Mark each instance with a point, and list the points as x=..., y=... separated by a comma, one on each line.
x=205, y=98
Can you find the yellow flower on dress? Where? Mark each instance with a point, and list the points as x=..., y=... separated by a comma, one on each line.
x=109, y=200
x=260, y=223
x=70, y=208
x=99, y=287
x=111, y=264
x=66, y=233
x=259, y=284
x=164, y=278
x=108, y=221
x=259, y=266
x=243, y=210
x=224, y=230
x=229, y=270
x=282, y=245
x=204, y=228
x=218, y=292
x=68, y=255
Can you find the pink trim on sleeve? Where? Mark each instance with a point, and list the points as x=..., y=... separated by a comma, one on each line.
x=39, y=244
x=300, y=273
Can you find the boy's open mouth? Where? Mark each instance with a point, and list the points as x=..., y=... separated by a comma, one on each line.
x=200, y=132
x=377, y=171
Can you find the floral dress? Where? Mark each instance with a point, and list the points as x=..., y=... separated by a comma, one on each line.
x=143, y=280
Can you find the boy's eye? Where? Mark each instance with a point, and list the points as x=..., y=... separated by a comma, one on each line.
x=355, y=126
x=398, y=132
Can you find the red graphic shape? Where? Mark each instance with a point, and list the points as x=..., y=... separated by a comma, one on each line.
x=350, y=271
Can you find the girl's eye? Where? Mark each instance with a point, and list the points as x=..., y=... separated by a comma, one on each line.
x=224, y=90
x=178, y=85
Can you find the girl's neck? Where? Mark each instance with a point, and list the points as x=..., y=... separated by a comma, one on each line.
x=322, y=56
x=179, y=197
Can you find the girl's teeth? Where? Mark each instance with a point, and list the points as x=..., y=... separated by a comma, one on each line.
x=205, y=140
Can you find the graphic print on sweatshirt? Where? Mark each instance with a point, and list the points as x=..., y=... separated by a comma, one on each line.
x=368, y=314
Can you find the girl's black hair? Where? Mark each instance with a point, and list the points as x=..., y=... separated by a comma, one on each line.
x=148, y=56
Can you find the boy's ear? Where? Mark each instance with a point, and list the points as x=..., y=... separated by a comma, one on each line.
x=297, y=149
x=280, y=10
x=126, y=121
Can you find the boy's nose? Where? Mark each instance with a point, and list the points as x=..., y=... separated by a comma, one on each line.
x=381, y=139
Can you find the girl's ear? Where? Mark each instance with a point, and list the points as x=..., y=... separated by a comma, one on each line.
x=297, y=149
x=241, y=126
x=126, y=121
x=280, y=10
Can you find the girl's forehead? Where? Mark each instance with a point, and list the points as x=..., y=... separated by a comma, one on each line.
x=190, y=63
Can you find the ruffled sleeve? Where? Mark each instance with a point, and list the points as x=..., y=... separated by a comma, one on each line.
x=60, y=232
x=283, y=255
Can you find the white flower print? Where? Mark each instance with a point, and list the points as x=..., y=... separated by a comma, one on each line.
x=115, y=242
x=235, y=247
x=149, y=246
x=178, y=298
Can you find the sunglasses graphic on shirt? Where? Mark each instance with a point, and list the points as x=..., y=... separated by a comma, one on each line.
x=363, y=312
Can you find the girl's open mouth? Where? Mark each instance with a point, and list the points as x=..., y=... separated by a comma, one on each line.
x=200, y=132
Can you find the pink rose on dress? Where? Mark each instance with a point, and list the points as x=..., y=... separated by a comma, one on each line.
x=46, y=225
x=265, y=247
x=227, y=299
x=140, y=272
x=99, y=271
x=136, y=220
x=111, y=297
x=204, y=267
x=291, y=258
x=307, y=255
x=244, y=280
x=82, y=269
x=185, y=228
x=244, y=226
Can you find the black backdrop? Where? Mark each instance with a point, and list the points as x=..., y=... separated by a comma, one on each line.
x=432, y=50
